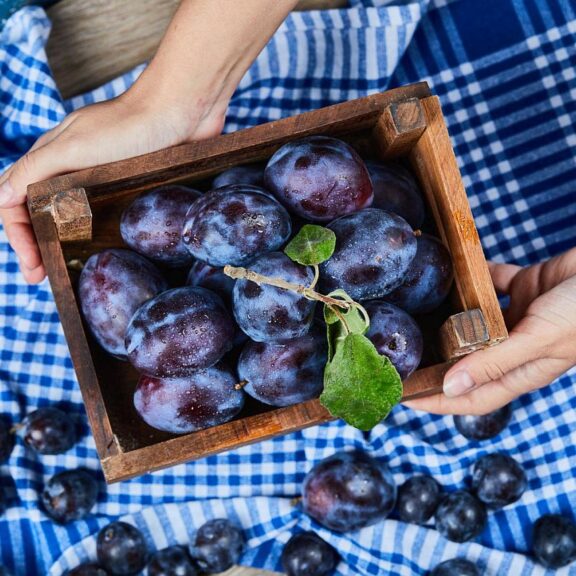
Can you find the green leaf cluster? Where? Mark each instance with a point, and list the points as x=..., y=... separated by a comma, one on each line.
x=360, y=385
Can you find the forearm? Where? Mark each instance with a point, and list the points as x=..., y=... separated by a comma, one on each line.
x=206, y=50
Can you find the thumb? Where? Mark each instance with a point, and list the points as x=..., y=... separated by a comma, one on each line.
x=490, y=364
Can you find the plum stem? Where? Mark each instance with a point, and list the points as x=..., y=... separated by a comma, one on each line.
x=316, y=276
x=240, y=384
x=296, y=501
x=76, y=265
x=341, y=318
x=240, y=273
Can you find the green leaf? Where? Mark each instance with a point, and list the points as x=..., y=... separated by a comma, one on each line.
x=312, y=245
x=355, y=320
x=360, y=386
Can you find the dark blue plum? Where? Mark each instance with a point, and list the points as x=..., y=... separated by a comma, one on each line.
x=348, y=491
x=456, y=567
x=178, y=332
x=396, y=335
x=285, y=373
x=428, y=280
x=319, y=178
x=203, y=399
x=554, y=541
x=374, y=250
x=252, y=174
x=6, y=441
x=69, y=496
x=121, y=549
x=218, y=545
x=498, y=480
x=396, y=190
x=234, y=225
x=306, y=554
x=172, y=561
x=90, y=569
x=485, y=426
x=214, y=279
x=49, y=431
x=418, y=499
x=270, y=314
x=112, y=286
x=460, y=516
x=211, y=278
x=152, y=224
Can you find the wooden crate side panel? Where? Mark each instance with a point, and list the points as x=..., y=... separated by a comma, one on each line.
x=214, y=440
x=207, y=157
x=246, y=431
x=435, y=164
x=68, y=311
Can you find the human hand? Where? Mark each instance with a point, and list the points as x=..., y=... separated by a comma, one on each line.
x=542, y=344
x=121, y=128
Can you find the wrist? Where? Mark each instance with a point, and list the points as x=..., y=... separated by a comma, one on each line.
x=188, y=112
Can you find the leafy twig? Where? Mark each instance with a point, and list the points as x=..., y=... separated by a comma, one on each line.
x=240, y=273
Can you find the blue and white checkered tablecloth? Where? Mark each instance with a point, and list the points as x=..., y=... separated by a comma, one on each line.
x=505, y=73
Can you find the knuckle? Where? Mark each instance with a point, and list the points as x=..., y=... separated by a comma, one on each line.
x=493, y=371
x=27, y=163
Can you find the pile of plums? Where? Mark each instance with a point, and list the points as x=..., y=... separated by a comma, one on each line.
x=344, y=492
x=351, y=490
x=122, y=550
x=48, y=431
x=180, y=338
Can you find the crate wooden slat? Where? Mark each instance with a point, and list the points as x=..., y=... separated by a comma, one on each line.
x=404, y=122
x=433, y=161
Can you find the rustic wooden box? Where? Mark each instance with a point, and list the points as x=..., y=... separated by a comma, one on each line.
x=78, y=214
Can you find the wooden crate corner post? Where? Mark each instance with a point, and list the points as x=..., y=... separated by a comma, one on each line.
x=72, y=215
x=399, y=127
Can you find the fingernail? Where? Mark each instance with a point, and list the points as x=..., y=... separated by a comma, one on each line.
x=458, y=383
x=6, y=193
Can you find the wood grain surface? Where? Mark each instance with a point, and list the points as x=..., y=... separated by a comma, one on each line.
x=94, y=41
x=434, y=162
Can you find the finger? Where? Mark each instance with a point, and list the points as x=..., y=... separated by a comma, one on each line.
x=6, y=174
x=41, y=141
x=494, y=395
x=502, y=276
x=491, y=363
x=38, y=164
x=21, y=236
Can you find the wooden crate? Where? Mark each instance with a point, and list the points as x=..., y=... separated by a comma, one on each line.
x=77, y=214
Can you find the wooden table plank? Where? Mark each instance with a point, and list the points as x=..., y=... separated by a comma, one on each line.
x=94, y=41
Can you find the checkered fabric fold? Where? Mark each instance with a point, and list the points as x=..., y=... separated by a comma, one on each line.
x=505, y=73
